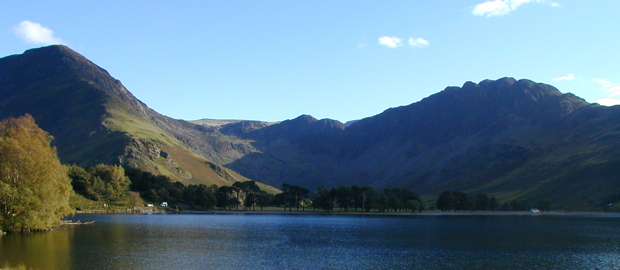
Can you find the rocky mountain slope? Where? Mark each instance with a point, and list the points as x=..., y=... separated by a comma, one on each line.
x=94, y=119
x=517, y=139
x=514, y=138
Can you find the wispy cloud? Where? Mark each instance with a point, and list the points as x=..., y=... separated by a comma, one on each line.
x=418, y=42
x=35, y=33
x=491, y=8
x=394, y=42
x=390, y=42
x=612, y=90
x=568, y=77
x=503, y=7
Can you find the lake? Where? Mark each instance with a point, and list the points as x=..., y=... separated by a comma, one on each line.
x=281, y=241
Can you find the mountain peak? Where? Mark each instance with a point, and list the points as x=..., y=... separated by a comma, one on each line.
x=64, y=57
x=55, y=61
x=513, y=89
x=304, y=118
x=502, y=82
x=52, y=49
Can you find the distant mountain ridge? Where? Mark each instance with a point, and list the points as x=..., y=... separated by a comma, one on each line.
x=514, y=138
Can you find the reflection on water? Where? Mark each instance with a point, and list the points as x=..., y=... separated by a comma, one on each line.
x=40, y=250
x=321, y=241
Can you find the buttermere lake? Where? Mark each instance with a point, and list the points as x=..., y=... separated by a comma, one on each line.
x=280, y=241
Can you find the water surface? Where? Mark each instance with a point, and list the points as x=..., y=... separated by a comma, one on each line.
x=322, y=242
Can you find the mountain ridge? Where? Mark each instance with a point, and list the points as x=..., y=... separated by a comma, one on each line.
x=515, y=138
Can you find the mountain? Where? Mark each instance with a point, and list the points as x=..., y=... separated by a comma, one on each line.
x=302, y=151
x=516, y=139
x=95, y=119
x=505, y=135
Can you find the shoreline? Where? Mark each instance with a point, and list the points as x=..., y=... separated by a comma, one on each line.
x=425, y=213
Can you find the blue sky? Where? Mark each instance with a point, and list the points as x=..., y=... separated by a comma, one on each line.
x=344, y=60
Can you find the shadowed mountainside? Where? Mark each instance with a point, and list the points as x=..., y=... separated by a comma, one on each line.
x=519, y=139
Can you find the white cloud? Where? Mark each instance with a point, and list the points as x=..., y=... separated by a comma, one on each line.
x=35, y=33
x=568, y=77
x=391, y=42
x=515, y=3
x=394, y=42
x=503, y=7
x=491, y=8
x=612, y=90
x=608, y=101
x=418, y=42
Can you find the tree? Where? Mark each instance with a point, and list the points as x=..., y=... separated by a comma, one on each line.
x=414, y=205
x=483, y=202
x=464, y=201
x=291, y=196
x=394, y=202
x=204, y=197
x=399, y=198
x=493, y=203
x=285, y=196
x=238, y=188
x=135, y=200
x=324, y=199
x=358, y=197
x=299, y=194
x=263, y=199
x=105, y=183
x=152, y=195
x=370, y=198
x=382, y=203
x=343, y=196
x=82, y=182
x=34, y=186
x=223, y=197
x=251, y=190
x=514, y=205
x=446, y=201
x=115, y=181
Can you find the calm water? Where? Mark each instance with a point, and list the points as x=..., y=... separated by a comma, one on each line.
x=321, y=242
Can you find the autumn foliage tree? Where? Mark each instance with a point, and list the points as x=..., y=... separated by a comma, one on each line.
x=34, y=187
